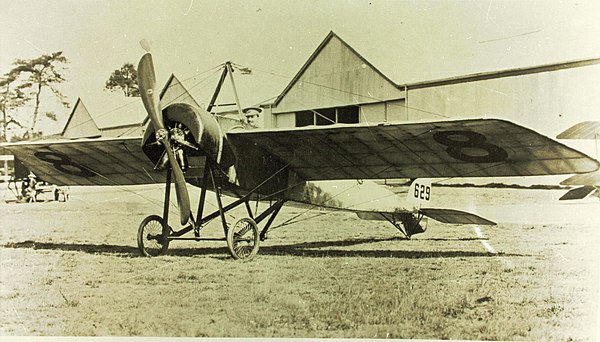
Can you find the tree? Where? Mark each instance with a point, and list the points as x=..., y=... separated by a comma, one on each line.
x=35, y=75
x=124, y=79
x=11, y=98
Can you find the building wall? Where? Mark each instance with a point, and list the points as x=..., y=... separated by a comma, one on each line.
x=266, y=118
x=548, y=102
x=385, y=111
x=336, y=77
x=284, y=120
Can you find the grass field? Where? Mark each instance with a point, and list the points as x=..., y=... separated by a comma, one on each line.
x=73, y=269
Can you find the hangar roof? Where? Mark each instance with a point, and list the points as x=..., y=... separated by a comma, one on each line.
x=376, y=55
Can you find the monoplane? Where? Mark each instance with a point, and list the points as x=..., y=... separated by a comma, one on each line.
x=185, y=145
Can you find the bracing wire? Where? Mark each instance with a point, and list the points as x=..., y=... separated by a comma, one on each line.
x=136, y=100
x=239, y=67
x=369, y=97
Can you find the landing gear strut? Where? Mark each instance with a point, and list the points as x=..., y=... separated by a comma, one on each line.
x=407, y=223
x=243, y=238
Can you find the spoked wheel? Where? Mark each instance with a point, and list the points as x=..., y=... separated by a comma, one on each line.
x=152, y=236
x=243, y=239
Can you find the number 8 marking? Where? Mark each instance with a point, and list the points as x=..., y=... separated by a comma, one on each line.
x=64, y=164
x=470, y=141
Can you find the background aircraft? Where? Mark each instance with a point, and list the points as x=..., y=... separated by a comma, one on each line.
x=587, y=183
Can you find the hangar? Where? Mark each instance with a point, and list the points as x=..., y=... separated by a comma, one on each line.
x=337, y=84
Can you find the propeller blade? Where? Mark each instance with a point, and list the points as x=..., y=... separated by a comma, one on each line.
x=183, y=197
x=145, y=44
x=147, y=84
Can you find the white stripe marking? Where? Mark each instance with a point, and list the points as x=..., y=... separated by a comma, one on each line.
x=491, y=249
x=485, y=244
x=488, y=247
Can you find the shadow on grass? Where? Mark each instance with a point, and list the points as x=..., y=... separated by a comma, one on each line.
x=455, y=239
x=75, y=247
x=304, y=249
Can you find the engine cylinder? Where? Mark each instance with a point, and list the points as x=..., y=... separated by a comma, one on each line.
x=203, y=128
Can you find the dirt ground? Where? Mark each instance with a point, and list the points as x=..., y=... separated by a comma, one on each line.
x=73, y=269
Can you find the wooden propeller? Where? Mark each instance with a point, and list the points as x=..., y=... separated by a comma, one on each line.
x=147, y=83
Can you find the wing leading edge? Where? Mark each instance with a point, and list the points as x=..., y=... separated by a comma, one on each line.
x=463, y=148
x=103, y=161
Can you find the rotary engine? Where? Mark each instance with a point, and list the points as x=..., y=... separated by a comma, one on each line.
x=191, y=132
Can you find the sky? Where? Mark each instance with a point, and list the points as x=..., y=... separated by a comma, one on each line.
x=408, y=41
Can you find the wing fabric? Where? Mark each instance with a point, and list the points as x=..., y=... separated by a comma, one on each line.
x=462, y=148
x=104, y=161
x=454, y=216
x=578, y=193
x=582, y=130
x=592, y=178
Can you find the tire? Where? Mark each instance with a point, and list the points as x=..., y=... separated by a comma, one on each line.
x=243, y=239
x=153, y=236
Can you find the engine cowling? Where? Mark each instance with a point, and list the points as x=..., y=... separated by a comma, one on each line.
x=193, y=132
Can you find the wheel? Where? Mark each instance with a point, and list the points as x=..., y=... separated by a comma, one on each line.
x=152, y=236
x=243, y=239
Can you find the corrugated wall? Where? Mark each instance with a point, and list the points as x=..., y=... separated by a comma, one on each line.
x=548, y=102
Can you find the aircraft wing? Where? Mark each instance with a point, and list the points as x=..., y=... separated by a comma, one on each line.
x=461, y=148
x=592, y=178
x=582, y=130
x=578, y=193
x=102, y=161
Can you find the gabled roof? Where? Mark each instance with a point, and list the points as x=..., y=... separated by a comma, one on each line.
x=175, y=91
x=321, y=46
x=111, y=110
x=80, y=122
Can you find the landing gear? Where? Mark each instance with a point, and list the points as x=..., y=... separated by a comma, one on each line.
x=407, y=223
x=153, y=236
x=243, y=239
